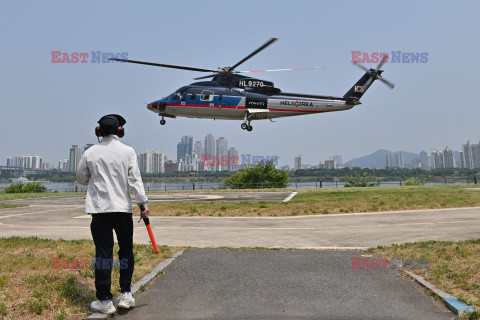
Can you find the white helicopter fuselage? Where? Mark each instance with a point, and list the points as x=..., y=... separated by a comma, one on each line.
x=242, y=105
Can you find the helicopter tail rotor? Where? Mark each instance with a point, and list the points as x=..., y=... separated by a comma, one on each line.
x=356, y=92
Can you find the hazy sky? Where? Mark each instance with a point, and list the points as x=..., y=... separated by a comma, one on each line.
x=46, y=107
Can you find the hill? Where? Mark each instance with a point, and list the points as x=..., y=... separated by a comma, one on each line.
x=377, y=159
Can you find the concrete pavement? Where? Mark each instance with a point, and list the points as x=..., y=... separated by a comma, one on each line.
x=64, y=218
x=279, y=284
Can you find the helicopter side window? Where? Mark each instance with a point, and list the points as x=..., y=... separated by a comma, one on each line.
x=194, y=95
x=207, y=95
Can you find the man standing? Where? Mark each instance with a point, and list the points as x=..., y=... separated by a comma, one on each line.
x=109, y=169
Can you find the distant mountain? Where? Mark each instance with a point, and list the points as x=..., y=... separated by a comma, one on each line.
x=377, y=159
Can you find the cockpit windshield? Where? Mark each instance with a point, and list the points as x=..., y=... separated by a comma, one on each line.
x=180, y=94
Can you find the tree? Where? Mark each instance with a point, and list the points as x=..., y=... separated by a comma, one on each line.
x=263, y=175
x=357, y=180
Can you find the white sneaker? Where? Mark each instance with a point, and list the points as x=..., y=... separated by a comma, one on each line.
x=126, y=301
x=106, y=308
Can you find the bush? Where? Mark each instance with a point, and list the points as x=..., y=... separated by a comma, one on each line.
x=263, y=175
x=365, y=180
x=413, y=182
x=25, y=188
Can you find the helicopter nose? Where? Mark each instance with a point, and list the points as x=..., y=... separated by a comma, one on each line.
x=160, y=105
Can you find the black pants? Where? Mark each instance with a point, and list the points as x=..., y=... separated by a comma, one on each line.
x=102, y=227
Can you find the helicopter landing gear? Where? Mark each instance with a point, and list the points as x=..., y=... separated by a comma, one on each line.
x=246, y=123
x=162, y=122
x=246, y=126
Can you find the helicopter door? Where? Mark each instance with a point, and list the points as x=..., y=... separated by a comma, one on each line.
x=207, y=98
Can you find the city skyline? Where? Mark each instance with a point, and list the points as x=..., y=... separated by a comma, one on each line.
x=424, y=159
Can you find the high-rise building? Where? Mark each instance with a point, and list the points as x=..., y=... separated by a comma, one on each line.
x=394, y=160
x=25, y=161
x=470, y=156
x=184, y=147
x=297, y=163
x=338, y=161
x=438, y=161
x=210, y=151
x=424, y=160
x=449, y=158
x=37, y=162
x=475, y=155
x=330, y=164
x=462, y=160
x=198, y=149
x=10, y=162
x=64, y=165
x=74, y=158
x=233, y=160
x=151, y=162
x=222, y=154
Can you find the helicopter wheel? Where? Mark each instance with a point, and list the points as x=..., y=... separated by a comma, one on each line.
x=162, y=122
x=249, y=128
x=244, y=126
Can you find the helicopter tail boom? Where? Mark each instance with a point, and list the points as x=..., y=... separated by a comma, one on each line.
x=358, y=90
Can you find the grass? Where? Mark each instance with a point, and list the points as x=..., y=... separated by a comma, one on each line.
x=453, y=267
x=11, y=205
x=12, y=196
x=330, y=201
x=31, y=289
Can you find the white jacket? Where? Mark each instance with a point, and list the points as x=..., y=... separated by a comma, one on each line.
x=108, y=169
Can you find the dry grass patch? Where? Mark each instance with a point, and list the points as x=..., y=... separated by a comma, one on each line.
x=11, y=205
x=453, y=267
x=330, y=201
x=12, y=196
x=31, y=289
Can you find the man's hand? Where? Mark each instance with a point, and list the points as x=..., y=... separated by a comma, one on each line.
x=145, y=213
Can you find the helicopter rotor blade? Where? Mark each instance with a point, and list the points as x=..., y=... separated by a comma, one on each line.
x=205, y=77
x=163, y=65
x=266, y=44
x=391, y=85
x=361, y=66
x=380, y=64
x=290, y=69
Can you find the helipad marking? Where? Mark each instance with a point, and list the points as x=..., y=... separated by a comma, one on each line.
x=26, y=213
x=290, y=196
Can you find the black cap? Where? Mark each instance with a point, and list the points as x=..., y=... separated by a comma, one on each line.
x=110, y=123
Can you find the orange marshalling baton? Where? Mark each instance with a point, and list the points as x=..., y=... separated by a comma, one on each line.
x=149, y=229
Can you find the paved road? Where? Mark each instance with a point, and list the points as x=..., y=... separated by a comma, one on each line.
x=280, y=284
x=64, y=218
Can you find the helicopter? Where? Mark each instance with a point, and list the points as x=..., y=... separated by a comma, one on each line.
x=230, y=95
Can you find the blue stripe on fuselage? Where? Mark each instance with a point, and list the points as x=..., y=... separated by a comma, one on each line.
x=226, y=100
